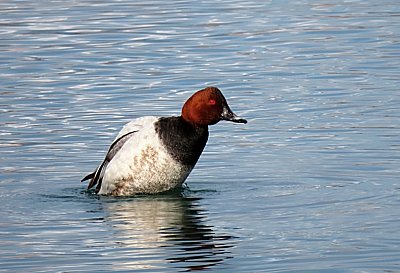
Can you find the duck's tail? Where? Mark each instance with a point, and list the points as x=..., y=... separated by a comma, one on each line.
x=89, y=176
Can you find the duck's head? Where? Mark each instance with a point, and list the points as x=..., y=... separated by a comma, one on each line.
x=207, y=107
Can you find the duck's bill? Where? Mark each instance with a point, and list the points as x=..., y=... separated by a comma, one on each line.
x=228, y=115
x=237, y=119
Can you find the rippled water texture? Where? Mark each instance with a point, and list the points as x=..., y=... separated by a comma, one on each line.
x=310, y=184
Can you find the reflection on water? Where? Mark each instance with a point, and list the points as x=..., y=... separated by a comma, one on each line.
x=155, y=230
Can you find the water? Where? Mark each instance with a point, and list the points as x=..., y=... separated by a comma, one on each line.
x=310, y=184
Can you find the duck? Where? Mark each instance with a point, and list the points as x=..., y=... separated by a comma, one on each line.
x=152, y=154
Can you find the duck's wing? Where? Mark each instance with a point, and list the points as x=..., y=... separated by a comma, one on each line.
x=123, y=136
x=97, y=176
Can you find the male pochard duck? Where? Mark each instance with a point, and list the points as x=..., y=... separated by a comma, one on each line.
x=156, y=154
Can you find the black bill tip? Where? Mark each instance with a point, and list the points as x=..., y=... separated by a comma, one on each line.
x=228, y=115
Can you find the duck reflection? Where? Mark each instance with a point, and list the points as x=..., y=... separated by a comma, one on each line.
x=154, y=231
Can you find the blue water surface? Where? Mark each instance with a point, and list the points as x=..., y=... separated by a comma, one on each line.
x=310, y=184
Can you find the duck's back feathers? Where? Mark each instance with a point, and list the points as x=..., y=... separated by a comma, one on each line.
x=97, y=176
x=123, y=136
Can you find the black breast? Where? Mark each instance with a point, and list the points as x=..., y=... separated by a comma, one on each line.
x=183, y=141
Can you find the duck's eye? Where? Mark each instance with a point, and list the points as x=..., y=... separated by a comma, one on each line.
x=212, y=102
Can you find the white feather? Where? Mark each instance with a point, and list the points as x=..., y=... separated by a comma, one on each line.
x=142, y=165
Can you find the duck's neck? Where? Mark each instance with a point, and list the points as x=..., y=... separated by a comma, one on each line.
x=183, y=140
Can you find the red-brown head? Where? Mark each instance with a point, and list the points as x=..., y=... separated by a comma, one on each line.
x=207, y=107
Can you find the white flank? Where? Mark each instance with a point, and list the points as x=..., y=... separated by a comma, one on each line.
x=142, y=165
